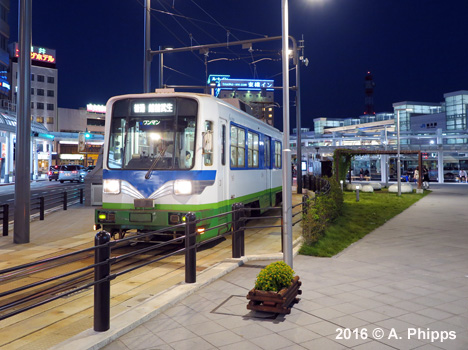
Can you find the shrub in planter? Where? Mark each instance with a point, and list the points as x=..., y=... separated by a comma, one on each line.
x=275, y=289
x=274, y=277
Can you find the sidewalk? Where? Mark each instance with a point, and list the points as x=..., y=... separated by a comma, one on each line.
x=404, y=286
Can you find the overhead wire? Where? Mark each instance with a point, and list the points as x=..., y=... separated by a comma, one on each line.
x=204, y=60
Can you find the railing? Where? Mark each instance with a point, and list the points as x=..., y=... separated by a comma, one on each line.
x=319, y=185
x=103, y=261
x=41, y=204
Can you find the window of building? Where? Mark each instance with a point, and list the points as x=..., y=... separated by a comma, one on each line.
x=40, y=105
x=3, y=13
x=50, y=107
x=40, y=78
x=3, y=42
x=50, y=93
x=32, y=105
x=237, y=147
x=50, y=120
x=32, y=91
x=50, y=80
x=40, y=92
x=40, y=119
x=32, y=76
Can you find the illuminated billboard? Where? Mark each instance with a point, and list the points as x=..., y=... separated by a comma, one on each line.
x=40, y=54
x=246, y=84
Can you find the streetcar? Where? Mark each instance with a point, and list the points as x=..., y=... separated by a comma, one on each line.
x=170, y=153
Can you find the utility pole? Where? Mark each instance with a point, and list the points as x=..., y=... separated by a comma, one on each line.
x=23, y=127
x=147, y=48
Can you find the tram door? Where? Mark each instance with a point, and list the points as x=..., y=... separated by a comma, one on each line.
x=224, y=164
x=267, y=168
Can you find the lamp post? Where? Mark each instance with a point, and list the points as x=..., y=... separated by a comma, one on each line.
x=398, y=154
x=287, y=188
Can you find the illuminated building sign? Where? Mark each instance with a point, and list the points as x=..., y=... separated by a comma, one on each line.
x=153, y=107
x=5, y=85
x=246, y=84
x=95, y=108
x=40, y=54
x=216, y=78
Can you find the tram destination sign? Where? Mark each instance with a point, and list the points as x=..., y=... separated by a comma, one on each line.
x=152, y=107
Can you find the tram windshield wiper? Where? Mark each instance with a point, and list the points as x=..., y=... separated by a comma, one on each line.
x=155, y=162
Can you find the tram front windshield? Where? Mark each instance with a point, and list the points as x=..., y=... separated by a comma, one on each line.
x=152, y=133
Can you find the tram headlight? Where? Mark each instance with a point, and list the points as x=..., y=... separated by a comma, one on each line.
x=111, y=186
x=182, y=187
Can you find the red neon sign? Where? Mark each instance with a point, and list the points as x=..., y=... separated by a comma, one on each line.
x=39, y=56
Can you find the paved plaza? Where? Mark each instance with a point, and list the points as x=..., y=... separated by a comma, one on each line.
x=404, y=286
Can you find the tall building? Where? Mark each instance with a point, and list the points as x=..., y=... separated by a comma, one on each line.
x=4, y=58
x=44, y=76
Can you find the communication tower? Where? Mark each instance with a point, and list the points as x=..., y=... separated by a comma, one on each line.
x=369, y=90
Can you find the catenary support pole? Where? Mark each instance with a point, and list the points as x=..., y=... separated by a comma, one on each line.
x=147, y=56
x=23, y=127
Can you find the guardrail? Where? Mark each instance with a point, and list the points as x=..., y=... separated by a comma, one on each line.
x=40, y=204
x=103, y=261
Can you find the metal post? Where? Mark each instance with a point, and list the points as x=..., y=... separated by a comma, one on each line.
x=305, y=207
x=23, y=127
x=238, y=231
x=298, y=126
x=41, y=208
x=357, y=193
x=65, y=200
x=287, y=190
x=161, y=69
x=102, y=290
x=398, y=154
x=6, y=215
x=81, y=195
x=190, y=248
x=147, y=47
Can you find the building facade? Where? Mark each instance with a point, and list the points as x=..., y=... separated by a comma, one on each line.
x=44, y=76
x=438, y=130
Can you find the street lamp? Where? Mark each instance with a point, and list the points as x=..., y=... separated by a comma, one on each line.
x=398, y=154
x=287, y=189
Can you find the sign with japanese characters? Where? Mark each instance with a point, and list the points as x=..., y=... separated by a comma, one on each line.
x=246, y=84
x=39, y=54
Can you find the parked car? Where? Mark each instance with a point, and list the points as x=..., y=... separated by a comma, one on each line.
x=72, y=172
x=54, y=172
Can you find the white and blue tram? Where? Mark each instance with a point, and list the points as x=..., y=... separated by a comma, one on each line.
x=168, y=153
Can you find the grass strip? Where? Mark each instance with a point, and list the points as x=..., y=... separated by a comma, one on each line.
x=358, y=219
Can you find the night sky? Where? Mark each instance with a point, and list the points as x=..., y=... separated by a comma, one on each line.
x=417, y=50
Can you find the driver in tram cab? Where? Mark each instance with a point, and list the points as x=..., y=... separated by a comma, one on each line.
x=188, y=159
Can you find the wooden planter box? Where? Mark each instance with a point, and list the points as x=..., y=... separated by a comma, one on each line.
x=278, y=302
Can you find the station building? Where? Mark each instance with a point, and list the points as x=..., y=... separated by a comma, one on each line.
x=438, y=130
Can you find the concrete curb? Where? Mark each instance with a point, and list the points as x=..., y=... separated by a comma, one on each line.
x=154, y=305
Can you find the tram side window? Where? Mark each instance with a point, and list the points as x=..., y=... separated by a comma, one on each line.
x=223, y=145
x=267, y=153
x=237, y=147
x=277, y=154
x=252, y=150
x=208, y=157
x=116, y=143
